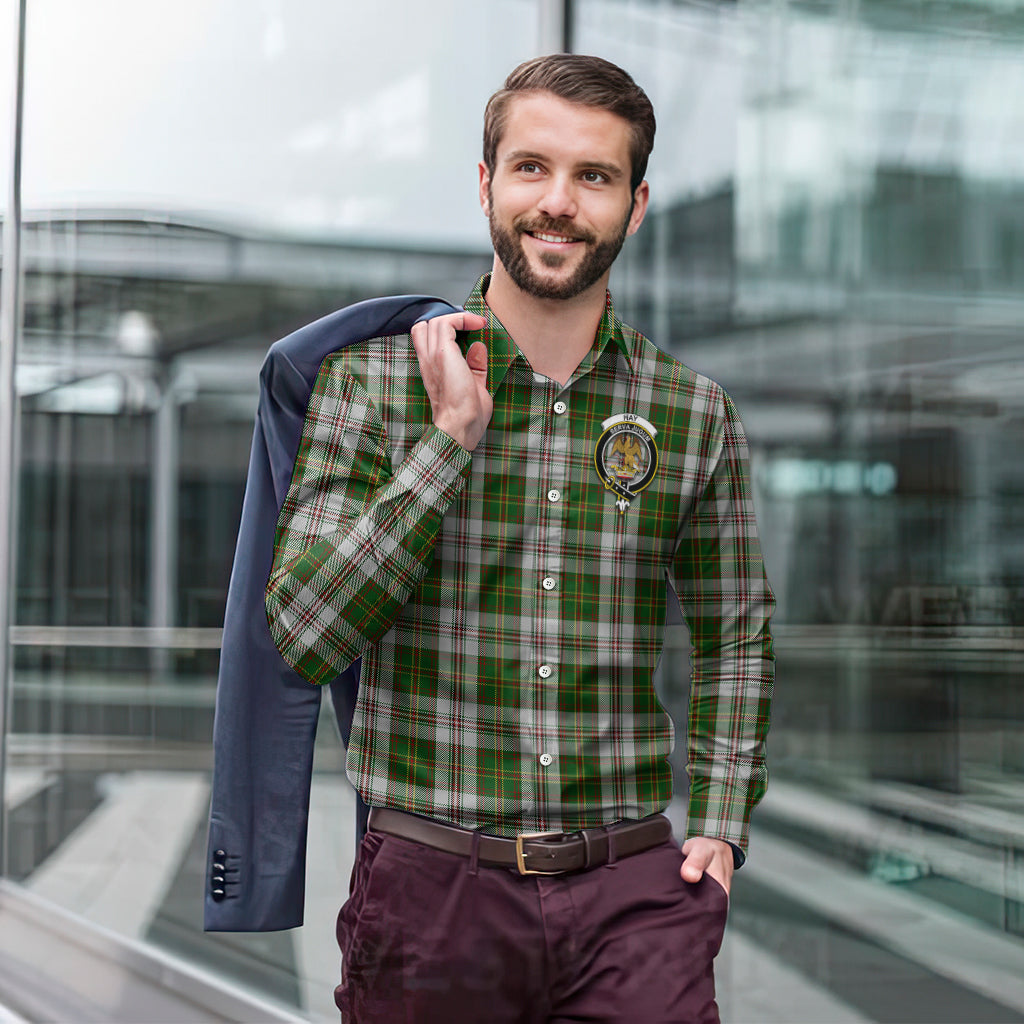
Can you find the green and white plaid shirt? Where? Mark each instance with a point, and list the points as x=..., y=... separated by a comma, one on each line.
x=509, y=616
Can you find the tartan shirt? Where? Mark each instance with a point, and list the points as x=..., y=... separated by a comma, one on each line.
x=509, y=616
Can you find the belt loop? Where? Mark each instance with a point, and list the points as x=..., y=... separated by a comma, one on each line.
x=474, y=853
x=611, y=845
x=586, y=847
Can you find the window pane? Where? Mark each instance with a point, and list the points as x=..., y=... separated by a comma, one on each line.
x=201, y=177
x=836, y=236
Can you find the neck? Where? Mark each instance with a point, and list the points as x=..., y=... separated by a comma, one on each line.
x=553, y=334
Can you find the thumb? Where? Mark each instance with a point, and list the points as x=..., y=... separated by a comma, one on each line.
x=477, y=358
x=694, y=864
x=691, y=870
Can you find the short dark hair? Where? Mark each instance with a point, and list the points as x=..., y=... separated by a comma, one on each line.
x=575, y=77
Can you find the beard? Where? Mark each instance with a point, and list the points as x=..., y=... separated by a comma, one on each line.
x=599, y=255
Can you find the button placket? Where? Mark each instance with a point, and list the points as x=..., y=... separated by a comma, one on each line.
x=556, y=492
x=536, y=609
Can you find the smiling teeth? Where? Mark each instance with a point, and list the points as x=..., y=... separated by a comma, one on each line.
x=551, y=238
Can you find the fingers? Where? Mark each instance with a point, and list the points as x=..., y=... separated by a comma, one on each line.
x=455, y=384
x=472, y=322
x=432, y=338
x=461, y=321
x=435, y=340
x=448, y=324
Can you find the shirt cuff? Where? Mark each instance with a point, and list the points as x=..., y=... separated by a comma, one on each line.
x=448, y=465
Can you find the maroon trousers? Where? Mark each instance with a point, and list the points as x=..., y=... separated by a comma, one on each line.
x=432, y=938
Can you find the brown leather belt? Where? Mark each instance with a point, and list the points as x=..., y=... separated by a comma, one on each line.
x=530, y=853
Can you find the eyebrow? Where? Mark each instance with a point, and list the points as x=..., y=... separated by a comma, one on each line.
x=613, y=171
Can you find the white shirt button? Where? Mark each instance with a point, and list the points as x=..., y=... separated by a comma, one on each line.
x=546, y=759
x=554, y=495
x=544, y=671
x=548, y=583
x=560, y=407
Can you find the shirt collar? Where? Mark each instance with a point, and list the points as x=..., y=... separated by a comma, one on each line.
x=502, y=350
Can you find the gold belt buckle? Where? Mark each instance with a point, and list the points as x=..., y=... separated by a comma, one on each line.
x=520, y=856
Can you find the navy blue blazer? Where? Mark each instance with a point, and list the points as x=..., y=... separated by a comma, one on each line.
x=266, y=714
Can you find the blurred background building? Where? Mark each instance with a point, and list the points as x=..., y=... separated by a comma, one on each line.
x=836, y=235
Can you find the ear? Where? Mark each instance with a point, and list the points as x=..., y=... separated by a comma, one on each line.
x=485, y=182
x=641, y=197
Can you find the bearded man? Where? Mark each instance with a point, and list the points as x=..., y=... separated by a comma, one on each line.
x=488, y=517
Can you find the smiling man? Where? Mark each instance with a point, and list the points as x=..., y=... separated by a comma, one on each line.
x=491, y=518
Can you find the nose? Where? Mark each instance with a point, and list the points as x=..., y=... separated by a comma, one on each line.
x=559, y=198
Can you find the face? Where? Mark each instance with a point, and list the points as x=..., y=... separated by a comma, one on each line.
x=559, y=202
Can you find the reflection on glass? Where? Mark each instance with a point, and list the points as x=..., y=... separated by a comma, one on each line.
x=8, y=25
x=836, y=236
x=200, y=179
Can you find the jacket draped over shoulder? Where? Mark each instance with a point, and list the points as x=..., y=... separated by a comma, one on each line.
x=266, y=714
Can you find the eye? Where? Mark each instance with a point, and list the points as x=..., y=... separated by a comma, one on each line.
x=594, y=177
x=529, y=167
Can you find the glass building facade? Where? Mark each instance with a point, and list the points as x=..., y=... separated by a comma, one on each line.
x=836, y=235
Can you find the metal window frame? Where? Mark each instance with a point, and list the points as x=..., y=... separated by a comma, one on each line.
x=100, y=949
x=554, y=26
x=10, y=326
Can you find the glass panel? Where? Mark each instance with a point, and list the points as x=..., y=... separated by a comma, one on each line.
x=8, y=54
x=836, y=235
x=201, y=178
x=8, y=26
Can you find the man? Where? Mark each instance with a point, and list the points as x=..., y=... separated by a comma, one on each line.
x=489, y=517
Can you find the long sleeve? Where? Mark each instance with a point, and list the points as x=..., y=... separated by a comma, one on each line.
x=726, y=600
x=354, y=537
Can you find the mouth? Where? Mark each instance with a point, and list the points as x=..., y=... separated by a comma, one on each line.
x=546, y=236
x=554, y=242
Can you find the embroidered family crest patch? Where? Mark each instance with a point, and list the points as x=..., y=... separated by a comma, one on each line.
x=626, y=456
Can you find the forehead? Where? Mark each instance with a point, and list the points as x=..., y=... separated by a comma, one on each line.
x=542, y=123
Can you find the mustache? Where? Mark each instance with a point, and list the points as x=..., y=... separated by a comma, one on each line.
x=549, y=226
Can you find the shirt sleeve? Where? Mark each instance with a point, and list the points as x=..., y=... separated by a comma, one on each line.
x=727, y=602
x=354, y=537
